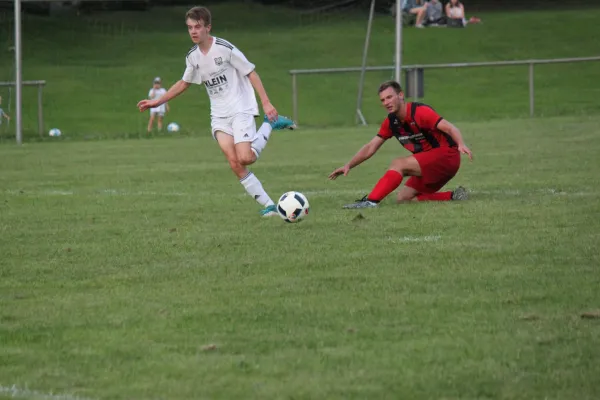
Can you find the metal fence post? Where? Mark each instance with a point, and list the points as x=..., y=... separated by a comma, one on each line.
x=531, y=97
x=40, y=113
x=294, y=98
x=416, y=83
x=361, y=80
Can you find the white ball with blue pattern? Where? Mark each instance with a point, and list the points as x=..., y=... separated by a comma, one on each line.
x=293, y=206
x=54, y=132
x=173, y=127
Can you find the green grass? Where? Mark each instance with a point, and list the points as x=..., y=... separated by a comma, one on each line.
x=121, y=260
x=98, y=67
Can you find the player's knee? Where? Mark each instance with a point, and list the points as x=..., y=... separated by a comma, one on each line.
x=399, y=166
x=246, y=157
x=247, y=160
x=406, y=166
x=404, y=197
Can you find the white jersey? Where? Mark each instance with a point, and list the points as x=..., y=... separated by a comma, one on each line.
x=154, y=94
x=224, y=72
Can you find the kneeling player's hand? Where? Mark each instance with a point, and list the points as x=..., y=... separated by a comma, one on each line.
x=340, y=171
x=465, y=150
x=144, y=105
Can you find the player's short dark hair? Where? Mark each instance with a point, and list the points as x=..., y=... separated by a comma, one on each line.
x=390, y=84
x=199, y=14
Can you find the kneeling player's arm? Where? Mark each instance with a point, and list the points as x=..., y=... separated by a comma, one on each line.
x=451, y=130
x=366, y=152
x=174, y=91
x=259, y=87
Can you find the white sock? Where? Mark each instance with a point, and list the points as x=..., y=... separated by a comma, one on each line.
x=262, y=136
x=255, y=189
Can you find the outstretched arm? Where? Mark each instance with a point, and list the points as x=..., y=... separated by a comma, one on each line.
x=173, y=92
x=362, y=155
x=454, y=132
x=258, y=86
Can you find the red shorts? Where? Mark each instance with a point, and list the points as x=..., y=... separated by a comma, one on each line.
x=438, y=166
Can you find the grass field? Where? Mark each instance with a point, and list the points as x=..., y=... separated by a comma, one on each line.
x=98, y=67
x=139, y=270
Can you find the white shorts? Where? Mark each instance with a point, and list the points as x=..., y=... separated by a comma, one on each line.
x=160, y=110
x=241, y=126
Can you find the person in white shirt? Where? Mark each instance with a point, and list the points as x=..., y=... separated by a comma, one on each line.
x=455, y=13
x=230, y=81
x=2, y=113
x=158, y=113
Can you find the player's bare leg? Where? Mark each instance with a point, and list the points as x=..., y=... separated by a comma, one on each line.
x=245, y=153
x=250, y=182
x=150, y=123
x=399, y=168
x=420, y=13
x=406, y=194
x=159, y=123
x=264, y=131
x=407, y=166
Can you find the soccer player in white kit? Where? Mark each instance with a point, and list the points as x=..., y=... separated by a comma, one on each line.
x=229, y=79
x=156, y=92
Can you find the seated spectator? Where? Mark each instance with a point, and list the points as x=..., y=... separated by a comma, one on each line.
x=411, y=9
x=434, y=14
x=455, y=14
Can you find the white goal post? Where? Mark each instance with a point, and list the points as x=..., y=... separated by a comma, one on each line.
x=18, y=72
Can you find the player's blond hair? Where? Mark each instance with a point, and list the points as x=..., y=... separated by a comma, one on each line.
x=199, y=14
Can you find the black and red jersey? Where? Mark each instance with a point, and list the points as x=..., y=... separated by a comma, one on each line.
x=418, y=131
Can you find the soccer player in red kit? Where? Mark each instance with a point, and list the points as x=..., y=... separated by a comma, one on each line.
x=436, y=145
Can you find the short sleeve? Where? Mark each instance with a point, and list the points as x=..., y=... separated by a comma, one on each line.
x=240, y=62
x=427, y=118
x=190, y=72
x=385, y=132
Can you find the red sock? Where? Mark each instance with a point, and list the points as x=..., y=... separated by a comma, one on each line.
x=386, y=185
x=439, y=196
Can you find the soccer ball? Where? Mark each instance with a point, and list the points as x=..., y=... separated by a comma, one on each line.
x=292, y=206
x=54, y=132
x=173, y=127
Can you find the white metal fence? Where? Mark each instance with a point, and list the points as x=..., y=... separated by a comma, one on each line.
x=40, y=116
x=530, y=63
